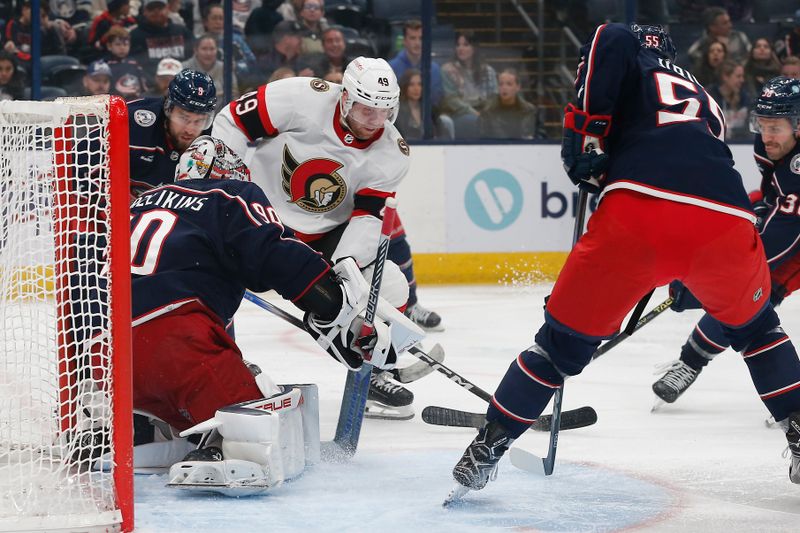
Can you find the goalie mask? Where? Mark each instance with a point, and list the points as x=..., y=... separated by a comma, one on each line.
x=656, y=39
x=208, y=158
x=370, y=82
x=779, y=98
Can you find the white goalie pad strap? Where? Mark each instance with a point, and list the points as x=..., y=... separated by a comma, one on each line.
x=394, y=285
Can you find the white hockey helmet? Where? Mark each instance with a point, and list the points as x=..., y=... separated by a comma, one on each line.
x=208, y=158
x=370, y=81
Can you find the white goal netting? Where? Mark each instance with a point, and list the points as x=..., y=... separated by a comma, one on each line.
x=57, y=457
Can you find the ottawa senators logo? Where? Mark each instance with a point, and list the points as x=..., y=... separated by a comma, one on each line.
x=314, y=185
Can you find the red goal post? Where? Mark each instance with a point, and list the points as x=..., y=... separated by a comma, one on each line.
x=66, y=436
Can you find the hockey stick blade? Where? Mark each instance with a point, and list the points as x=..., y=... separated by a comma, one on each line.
x=419, y=369
x=443, y=416
x=525, y=460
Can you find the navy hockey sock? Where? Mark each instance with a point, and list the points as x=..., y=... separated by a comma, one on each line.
x=529, y=383
x=706, y=342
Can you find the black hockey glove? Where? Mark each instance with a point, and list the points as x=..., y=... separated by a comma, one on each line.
x=581, y=147
x=682, y=298
x=761, y=209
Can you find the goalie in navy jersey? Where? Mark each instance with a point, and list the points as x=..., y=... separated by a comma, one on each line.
x=775, y=120
x=195, y=246
x=646, y=136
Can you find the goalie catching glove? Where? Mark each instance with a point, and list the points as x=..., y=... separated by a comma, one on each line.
x=581, y=147
x=341, y=337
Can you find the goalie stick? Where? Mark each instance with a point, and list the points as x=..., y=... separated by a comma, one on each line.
x=407, y=374
x=443, y=416
x=356, y=387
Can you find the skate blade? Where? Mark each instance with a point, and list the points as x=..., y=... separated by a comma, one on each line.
x=525, y=460
x=456, y=493
x=379, y=411
x=658, y=404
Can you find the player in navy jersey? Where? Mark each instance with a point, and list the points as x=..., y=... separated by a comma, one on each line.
x=775, y=120
x=196, y=245
x=162, y=128
x=646, y=135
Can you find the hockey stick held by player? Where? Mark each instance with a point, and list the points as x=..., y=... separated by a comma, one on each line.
x=628, y=73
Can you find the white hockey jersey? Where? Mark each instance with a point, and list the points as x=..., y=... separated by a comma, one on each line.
x=315, y=173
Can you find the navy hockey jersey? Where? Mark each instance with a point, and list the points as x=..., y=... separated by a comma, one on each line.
x=152, y=157
x=666, y=137
x=208, y=240
x=780, y=185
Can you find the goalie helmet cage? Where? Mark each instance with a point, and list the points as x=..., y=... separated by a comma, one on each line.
x=65, y=371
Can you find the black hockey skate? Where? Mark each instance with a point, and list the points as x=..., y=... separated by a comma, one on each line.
x=387, y=399
x=479, y=463
x=424, y=318
x=678, y=378
x=209, y=453
x=792, y=428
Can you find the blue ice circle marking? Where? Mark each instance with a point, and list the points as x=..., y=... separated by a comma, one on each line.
x=493, y=199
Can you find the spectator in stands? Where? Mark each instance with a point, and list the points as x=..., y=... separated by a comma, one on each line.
x=97, y=79
x=284, y=52
x=167, y=69
x=71, y=11
x=127, y=78
x=332, y=59
x=469, y=82
x=334, y=76
x=707, y=69
x=719, y=27
x=12, y=80
x=508, y=115
x=68, y=35
x=789, y=44
x=205, y=60
x=290, y=10
x=732, y=96
x=242, y=9
x=260, y=24
x=157, y=37
x=791, y=67
x=411, y=57
x=409, y=115
x=19, y=38
x=762, y=65
x=281, y=74
x=244, y=61
x=312, y=24
x=117, y=14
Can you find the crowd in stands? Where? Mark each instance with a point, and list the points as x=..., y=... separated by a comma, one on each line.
x=133, y=48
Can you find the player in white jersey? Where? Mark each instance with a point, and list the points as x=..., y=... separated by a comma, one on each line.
x=327, y=156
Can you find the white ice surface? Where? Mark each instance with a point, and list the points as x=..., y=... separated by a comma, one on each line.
x=706, y=463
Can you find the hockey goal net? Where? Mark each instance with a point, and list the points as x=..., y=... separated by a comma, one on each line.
x=65, y=385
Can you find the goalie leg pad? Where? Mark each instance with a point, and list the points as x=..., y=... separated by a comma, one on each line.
x=270, y=432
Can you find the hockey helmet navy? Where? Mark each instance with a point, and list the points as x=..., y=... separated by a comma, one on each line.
x=193, y=91
x=779, y=98
x=655, y=38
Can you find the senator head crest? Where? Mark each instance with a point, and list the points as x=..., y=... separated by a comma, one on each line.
x=314, y=185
